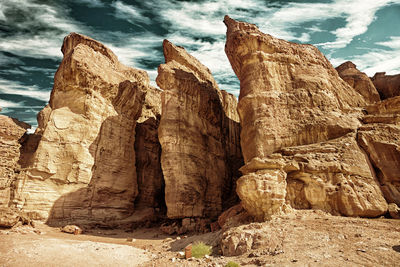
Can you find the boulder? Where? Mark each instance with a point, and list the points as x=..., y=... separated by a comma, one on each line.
x=240, y=240
x=387, y=85
x=199, y=136
x=359, y=81
x=84, y=164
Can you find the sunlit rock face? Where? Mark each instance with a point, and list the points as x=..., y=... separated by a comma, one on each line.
x=380, y=138
x=199, y=135
x=84, y=164
x=11, y=135
x=359, y=81
x=299, y=121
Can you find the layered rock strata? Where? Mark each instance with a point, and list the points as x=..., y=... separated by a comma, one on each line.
x=387, y=85
x=291, y=96
x=84, y=164
x=199, y=135
x=380, y=138
x=359, y=81
x=11, y=133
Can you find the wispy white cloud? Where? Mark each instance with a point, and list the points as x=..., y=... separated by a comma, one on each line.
x=393, y=43
x=13, y=87
x=91, y=3
x=129, y=13
x=9, y=104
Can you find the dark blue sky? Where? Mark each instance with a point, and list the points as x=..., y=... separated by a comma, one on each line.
x=366, y=32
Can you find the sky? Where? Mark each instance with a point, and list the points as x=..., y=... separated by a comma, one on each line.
x=366, y=32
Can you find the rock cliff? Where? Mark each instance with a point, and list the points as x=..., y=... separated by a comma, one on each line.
x=380, y=138
x=148, y=153
x=387, y=85
x=84, y=164
x=299, y=121
x=11, y=135
x=359, y=81
x=199, y=135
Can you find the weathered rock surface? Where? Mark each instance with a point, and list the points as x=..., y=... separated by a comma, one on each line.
x=334, y=176
x=387, y=85
x=11, y=132
x=242, y=239
x=359, y=81
x=199, y=135
x=294, y=104
x=148, y=153
x=12, y=218
x=380, y=138
x=84, y=164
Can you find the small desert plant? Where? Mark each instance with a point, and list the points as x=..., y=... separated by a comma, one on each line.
x=232, y=264
x=199, y=250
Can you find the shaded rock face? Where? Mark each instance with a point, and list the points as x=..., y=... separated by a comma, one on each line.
x=84, y=164
x=380, y=138
x=148, y=153
x=199, y=135
x=359, y=81
x=11, y=133
x=387, y=85
x=299, y=121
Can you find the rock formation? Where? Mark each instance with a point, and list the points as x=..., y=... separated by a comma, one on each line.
x=148, y=153
x=11, y=133
x=199, y=135
x=380, y=138
x=298, y=121
x=387, y=85
x=84, y=164
x=359, y=81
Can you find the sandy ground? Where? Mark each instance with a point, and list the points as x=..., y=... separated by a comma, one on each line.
x=308, y=239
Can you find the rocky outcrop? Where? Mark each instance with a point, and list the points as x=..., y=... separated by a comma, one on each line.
x=334, y=176
x=148, y=153
x=387, y=85
x=380, y=138
x=199, y=135
x=299, y=120
x=11, y=133
x=359, y=81
x=84, y=164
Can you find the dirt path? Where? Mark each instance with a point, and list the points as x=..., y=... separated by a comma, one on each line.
x=308, y=239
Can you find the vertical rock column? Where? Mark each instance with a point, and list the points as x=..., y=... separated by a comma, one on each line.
x=84, y=164
x=289, y=95
x=192, y=131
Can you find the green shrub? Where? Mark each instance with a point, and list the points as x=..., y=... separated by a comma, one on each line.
x=232, y=264
x=199, y=250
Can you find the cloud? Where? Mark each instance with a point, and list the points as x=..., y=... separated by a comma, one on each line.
x=91, y=3
x=9, y=104
x=15, y=88
x=393, y=43
x=129, y=13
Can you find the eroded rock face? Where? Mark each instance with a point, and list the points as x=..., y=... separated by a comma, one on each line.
x=84, y=164
x=11, y=132
x=148, y=153
x=334, y=176
x=290, y=97
x=380, y=138
x=387, y=85
x=199, y=136
x=359, y=81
